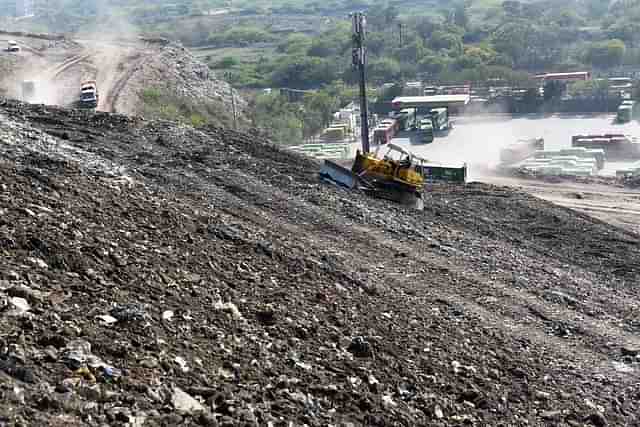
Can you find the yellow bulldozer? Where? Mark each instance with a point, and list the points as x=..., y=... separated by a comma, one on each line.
x=390, y=172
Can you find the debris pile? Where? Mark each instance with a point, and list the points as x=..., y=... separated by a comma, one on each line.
x=155, y=274
x=174, y=69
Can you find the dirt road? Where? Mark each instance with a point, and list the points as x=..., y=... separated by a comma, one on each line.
x=616, y=205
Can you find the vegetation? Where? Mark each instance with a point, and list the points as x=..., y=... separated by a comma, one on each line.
x=160, y=104
x=291, y=122
x=448, y=41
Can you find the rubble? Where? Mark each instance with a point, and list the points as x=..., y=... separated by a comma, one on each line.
x=246, y=292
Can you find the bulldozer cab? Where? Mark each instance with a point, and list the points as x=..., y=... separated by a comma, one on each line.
x=392, y=163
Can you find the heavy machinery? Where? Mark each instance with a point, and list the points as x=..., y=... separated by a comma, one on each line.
x=88, y=94
x=440, y=120
x=392, y=173
x=625, y=111
x=520, y=150
x=395, y=174
x=13, y=46
x=425, y=131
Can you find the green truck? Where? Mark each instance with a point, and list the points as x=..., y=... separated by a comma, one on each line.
x=425, y=131
x=625, y=111
x=440, y=120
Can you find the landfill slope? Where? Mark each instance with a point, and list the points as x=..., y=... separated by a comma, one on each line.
x=154, y=274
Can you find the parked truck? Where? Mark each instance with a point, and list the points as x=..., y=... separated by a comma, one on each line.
x=440, y=121
x=425, y=130
x=625, y=111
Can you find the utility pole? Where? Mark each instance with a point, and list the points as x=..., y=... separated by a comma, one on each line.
x=400, y=32
x=228, y=75
x=358, y=55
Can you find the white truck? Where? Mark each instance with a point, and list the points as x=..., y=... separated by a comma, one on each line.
x=88, y=94
x=12, y=46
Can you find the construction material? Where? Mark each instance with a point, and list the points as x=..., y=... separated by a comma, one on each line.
x=325, y=150
x=576, y=161
x=579, y=152
x=615, y=146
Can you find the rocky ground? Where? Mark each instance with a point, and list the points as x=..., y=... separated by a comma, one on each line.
x=152, y=274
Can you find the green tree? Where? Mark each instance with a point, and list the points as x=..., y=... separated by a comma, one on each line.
x=441, y=39
x=433, y=64
x=605, y=54
x=322, y=103
x=384, y=70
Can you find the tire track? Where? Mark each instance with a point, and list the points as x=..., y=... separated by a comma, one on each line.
x=65, y=65
x=114, y=93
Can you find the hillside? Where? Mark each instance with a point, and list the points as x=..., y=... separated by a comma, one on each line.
x=137, y=76
x=147, y=264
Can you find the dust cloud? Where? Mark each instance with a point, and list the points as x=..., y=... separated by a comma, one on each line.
x=478, y=140
x=112, y=42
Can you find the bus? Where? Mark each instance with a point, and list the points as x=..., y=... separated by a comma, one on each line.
x=440, y=119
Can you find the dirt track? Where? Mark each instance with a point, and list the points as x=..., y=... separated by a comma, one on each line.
x=613, y=204
x=228, y=271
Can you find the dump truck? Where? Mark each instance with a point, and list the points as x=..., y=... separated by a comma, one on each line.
x=88, y=94
x=520, y=150
x=440, y=120
x=12, y=46
x=625, y=111
x=425, y=131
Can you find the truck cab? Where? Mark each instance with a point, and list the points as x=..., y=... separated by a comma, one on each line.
x=425, y=130
x=12, y=46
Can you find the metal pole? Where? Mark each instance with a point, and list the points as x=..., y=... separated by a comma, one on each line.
x=233, y=107
x=359, y=60
x=233, y=100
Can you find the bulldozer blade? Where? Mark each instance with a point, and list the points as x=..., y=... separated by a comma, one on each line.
x=340, y=175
